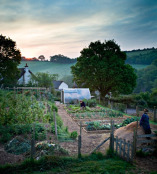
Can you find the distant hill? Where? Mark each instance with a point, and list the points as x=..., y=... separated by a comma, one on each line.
x=51, y=67
x=144, y=57
x=57, y=68
x=62, y=59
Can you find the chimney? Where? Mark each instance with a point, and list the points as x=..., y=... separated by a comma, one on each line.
x=26, y=65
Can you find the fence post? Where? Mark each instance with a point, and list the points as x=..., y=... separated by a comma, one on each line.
x=128, y=152
x=14, y=92
x=112, y=136
x=79, y=141
x=137, y=111
x=134, y=142
x=117, y=145
x=155, y=120
x=54, y=115
x=33, y=143
x=120, y=147
x=124, y=144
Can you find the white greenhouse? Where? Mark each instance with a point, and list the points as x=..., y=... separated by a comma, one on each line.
x=74, y=95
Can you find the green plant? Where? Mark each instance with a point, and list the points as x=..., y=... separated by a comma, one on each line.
x=74, y=134
x=5, y=137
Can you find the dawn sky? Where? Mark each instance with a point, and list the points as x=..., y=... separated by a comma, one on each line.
x=49, y=27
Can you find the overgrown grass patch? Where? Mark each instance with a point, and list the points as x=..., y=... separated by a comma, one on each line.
x=95, y=163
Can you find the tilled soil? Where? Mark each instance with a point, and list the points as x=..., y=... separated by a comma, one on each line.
x=89, y=141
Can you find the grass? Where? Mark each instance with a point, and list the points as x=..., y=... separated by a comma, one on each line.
x=51, y=67
x=95, y=163
x=56, y=68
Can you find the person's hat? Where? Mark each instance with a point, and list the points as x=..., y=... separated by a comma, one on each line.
x=145, y=110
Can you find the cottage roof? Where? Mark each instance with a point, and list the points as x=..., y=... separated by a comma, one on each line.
x=57, y=84
x=22, y=72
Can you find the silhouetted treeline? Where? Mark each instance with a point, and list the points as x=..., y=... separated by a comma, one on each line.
x=61, y=59
x=145, y=56
x=29, y=59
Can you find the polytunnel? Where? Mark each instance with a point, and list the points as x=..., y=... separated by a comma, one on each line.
x=73, y=95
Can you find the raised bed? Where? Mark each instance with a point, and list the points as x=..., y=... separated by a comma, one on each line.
x=96, y=131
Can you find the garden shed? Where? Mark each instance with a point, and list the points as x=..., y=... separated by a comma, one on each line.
x=74, y=95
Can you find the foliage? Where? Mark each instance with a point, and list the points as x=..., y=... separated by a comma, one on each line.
x=119, y=106
x=50, y=149
x=90, y=102
x=44, y=79
x=68, y=79
x=61, y=59
x=102, y=67
x=146, y=56
x=127, y=121
x=95, y=163
x=74, y=134
x=9, y=131
x=41, y=57
x=10, y=58
x=147, y=79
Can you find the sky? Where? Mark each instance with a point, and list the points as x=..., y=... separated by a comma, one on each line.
x=50, y=27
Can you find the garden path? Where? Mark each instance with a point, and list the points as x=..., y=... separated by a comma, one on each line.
x=89, y=141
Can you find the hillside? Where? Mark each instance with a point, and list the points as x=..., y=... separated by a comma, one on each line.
x=145, y=56
x=51, y=67
x=55, y=68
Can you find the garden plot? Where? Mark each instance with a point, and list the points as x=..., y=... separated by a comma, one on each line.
x=103, y=114
x=96, y=120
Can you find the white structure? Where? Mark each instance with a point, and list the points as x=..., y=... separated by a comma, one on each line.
x=75, y=94
x=59, y=85
x=25, y=76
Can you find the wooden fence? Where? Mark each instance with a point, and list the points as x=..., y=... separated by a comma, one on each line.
x=124, y=149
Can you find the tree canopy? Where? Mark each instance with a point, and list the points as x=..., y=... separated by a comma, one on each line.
x=10, y=58
x=44, y=79
x=147, y=78
x=102, y=67
x=61, y=59
x=145, y=56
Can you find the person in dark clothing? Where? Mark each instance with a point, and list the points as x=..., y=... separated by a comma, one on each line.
x=82, y=104
x=144, y=122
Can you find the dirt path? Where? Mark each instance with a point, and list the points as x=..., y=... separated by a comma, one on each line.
x=89, y=141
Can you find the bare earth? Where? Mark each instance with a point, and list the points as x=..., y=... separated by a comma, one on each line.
x=89, y=141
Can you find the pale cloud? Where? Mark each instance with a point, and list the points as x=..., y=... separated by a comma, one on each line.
x=51, y=27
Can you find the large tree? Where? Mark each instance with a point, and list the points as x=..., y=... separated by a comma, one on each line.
x=102, y=67
x=44, y=79
x=10, y=58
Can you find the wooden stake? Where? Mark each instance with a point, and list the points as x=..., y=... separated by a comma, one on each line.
x=79, y=141
x=155, y=119
x=33, y=143
x=54, y=115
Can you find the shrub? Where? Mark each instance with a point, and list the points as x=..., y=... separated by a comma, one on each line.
x=54, y=107
x=74, y=135
x=90, y=103
x=120, y=107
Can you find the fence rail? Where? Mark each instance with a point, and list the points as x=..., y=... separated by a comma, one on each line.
x=124, y=149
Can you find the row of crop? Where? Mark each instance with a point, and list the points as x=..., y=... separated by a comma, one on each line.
x=97, y=115
x=20, y=112
x=99, y=125
x=76, y=112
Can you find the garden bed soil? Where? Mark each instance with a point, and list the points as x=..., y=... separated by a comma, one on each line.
x=96, y=131
x=89, y=142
